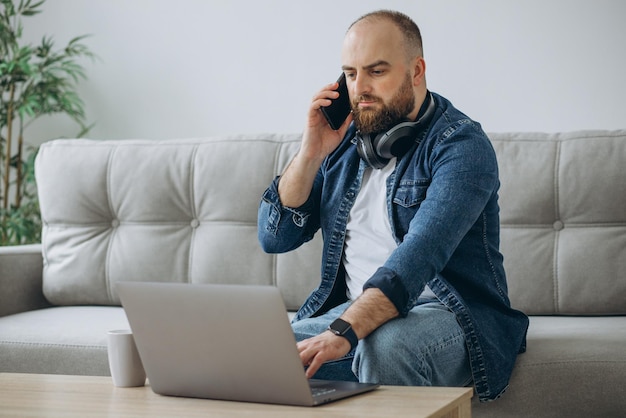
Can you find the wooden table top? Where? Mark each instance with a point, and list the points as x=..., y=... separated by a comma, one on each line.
x=36, y=395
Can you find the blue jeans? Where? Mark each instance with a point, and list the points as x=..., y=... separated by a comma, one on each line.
x=427, y=348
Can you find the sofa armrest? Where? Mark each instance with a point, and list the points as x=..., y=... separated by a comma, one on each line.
x=21, y=270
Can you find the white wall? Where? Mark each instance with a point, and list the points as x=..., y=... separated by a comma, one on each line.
x=191, y=68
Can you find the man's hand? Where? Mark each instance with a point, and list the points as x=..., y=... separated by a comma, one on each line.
x=321, y=348
x=318, y=141
x=368, y=312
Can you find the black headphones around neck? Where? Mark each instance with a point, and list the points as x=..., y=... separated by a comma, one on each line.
x=377, y=151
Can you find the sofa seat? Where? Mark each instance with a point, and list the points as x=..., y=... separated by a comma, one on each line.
x=59, y=340
x=580, y=357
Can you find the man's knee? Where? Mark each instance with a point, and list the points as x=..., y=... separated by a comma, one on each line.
x=384, y=358
x=401, y=355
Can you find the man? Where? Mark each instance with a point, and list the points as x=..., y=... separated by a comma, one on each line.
x=413, y=290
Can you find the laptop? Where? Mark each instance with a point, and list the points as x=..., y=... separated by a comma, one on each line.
x=228, y=342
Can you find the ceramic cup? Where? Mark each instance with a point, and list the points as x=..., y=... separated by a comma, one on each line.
x=124, y=362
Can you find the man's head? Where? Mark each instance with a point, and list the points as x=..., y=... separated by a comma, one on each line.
x=385, y=69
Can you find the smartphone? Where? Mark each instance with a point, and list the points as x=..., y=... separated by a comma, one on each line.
x=337, y=112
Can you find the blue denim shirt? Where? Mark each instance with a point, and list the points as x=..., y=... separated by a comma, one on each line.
x=442, y=201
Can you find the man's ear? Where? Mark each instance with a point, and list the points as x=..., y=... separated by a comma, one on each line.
x=419, y=68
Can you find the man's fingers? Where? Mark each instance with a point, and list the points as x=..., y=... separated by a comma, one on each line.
x=314, y=366
x=314, y=352
x=323, y=97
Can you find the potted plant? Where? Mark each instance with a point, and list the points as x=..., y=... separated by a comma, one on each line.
x=35, y=80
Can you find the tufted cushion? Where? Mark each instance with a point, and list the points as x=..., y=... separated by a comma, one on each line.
x=185, y=211
x=563, y=218
x=176, y=210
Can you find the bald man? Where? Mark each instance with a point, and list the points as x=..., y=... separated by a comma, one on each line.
x=413, y=289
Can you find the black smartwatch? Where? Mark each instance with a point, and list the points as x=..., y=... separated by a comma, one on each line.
x=344, y=329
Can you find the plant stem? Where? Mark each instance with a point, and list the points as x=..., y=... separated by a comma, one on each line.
x=7, y=165
x=18, y=178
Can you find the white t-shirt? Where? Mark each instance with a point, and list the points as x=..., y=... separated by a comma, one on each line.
x=369, y=238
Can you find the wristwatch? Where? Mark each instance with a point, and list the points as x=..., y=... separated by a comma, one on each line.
x=344, y=329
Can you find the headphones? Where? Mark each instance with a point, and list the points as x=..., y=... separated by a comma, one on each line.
x=377, y=151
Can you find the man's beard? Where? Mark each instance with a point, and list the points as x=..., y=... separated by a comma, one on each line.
x=370, y=121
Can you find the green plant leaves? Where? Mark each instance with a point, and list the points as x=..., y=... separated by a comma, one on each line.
x=34, y=81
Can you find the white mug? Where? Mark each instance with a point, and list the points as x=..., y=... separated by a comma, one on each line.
x=124, y=362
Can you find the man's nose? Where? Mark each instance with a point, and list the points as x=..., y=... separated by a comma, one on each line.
x=360, y=86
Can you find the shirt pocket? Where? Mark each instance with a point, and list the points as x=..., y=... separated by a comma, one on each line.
x=411, y=193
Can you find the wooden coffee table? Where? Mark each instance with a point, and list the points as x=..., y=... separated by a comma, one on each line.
x=36, y=395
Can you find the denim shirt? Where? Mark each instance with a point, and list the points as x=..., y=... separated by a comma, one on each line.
x=442, y=200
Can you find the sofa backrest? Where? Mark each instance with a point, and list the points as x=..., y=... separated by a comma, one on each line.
x=185, y=211
x=563, y=220
x=179, y=210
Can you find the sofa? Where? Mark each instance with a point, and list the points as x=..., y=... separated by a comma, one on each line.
x=185, y=210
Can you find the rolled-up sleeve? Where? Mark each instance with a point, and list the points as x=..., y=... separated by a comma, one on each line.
x=281, y=228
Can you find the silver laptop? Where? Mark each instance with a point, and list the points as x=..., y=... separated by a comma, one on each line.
x=229, y=342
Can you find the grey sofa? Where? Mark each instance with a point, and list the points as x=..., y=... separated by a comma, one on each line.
x=185, y=211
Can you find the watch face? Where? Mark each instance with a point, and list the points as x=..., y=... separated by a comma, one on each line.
x=339, y=326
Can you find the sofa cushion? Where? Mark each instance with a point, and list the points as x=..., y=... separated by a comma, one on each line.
x=573, y=367
x=563, y=219
x=153, y=211
x=158, y=211
x=66, y=340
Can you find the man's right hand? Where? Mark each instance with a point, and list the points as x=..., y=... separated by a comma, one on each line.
x=318, y=141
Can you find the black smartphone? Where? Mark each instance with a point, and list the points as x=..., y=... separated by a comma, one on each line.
x=337, y=112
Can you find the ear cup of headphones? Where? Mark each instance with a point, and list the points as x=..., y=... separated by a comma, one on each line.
x=393, y=143
x=365, y=149
x=378, y=151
